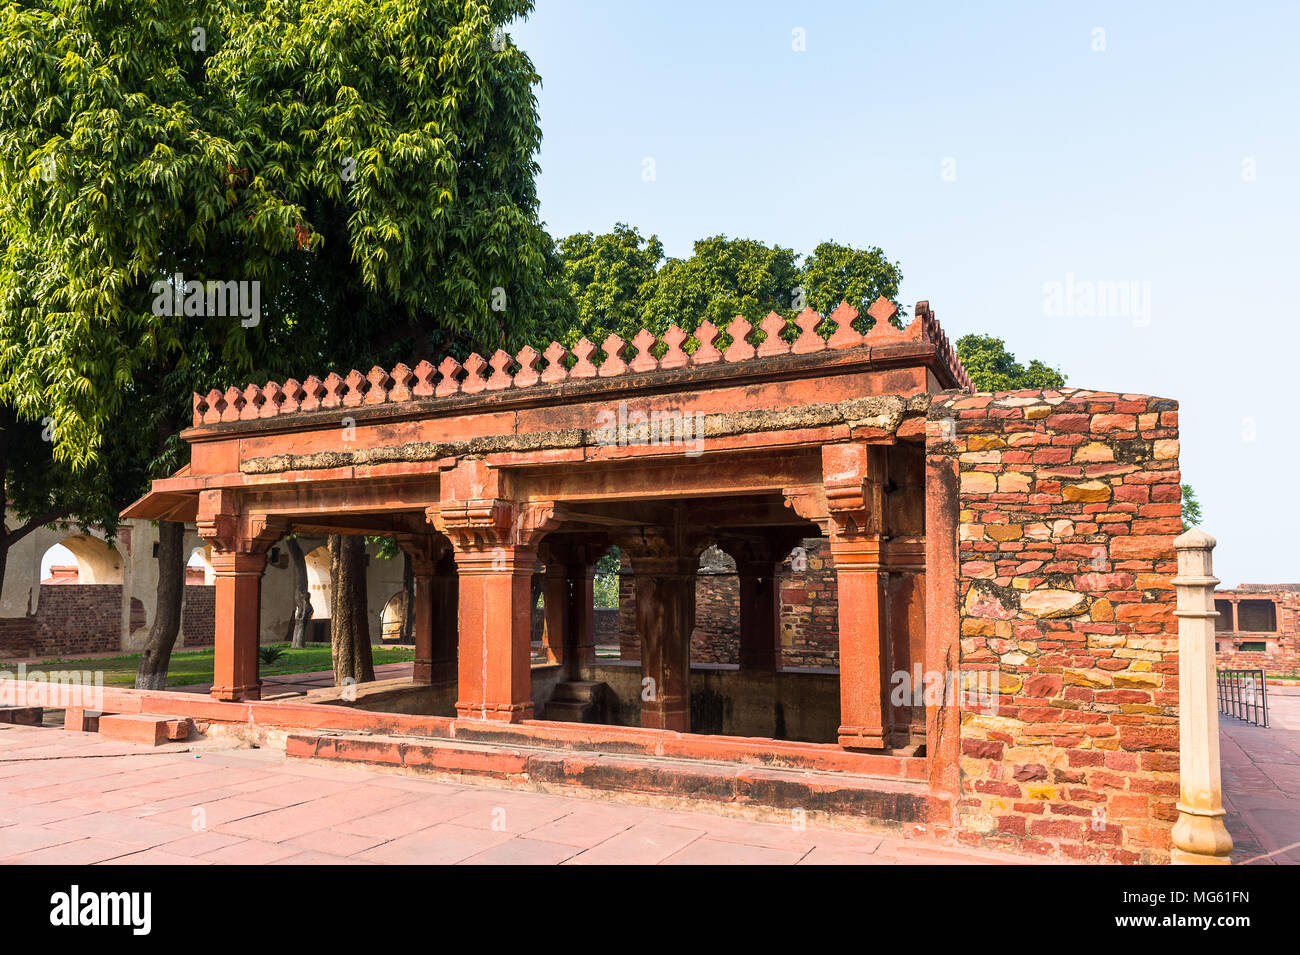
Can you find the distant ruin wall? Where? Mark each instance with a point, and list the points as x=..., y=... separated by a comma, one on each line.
x=70, y=619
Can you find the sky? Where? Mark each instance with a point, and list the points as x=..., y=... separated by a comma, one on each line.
x=1111, y=188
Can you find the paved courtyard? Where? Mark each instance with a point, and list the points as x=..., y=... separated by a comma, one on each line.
x=73, y=798
x=1261, y=782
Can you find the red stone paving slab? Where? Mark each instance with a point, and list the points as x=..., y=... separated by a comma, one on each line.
x=249, y=852
x=79, y=852
x=207, y=814
x=443, y=844
x=838, y=855
x=156, y=856
x=589, y=826
x=333, y=842
x=200, y=842
x=25, y=838
x=281, y=824
x=707, y=851
x=514, y=819
x=646, y=843
x=38, y=814
x=293, y=792
x=420, y=813
x=523, y=851
x=318, y=858
x=115, y=828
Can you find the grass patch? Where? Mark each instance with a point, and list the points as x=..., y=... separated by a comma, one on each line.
x=189, y=667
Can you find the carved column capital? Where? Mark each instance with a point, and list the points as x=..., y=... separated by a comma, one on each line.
x=223, y=523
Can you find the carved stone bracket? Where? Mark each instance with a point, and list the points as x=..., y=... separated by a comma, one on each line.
x=222, y=522
x=494, y=523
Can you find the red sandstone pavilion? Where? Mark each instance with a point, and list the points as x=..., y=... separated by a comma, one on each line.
x=1021, y=541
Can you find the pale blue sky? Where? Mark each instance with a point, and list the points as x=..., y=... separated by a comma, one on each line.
x=1170, y=159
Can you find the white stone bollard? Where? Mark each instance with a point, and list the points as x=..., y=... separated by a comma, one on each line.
x=1199, y=835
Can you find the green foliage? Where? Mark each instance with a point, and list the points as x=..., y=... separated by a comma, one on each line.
x=369, y=162
x=837, y=273
x=723, y=278
x=1191, y=508
x=993, y=368
x=609, y=277
x=605, y=584
x=271, y=653
x=385, y=547
x=619, y=282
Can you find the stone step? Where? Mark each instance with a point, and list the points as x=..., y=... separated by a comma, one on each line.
x=568, y=711
x=22, y=715
x=580, y=691
x=80, y=721
x=148, y=729
x=870, y=800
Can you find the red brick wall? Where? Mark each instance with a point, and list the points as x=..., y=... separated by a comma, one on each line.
x=1068, y=507
x=809, y=607
x=198, y=618
x=69, y=619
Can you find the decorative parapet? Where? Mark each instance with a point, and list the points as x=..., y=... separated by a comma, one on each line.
x=526, y=369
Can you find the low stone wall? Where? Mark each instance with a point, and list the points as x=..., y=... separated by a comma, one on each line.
x=1068, y=504
x=1281, y=661
x=69, y=619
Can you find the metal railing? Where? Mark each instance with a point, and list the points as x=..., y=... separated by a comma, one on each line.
x=1243, y=694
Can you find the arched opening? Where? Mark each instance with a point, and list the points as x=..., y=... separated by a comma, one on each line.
x=393, y=617
x=716, y=637
x=608, y=603
x=81, y=559
x=198, y=569
x=318, y=582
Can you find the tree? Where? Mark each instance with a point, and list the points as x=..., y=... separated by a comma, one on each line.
x=619, y=282
x=349, y=616
x=837, y=273
x=610, y=278
x=302, y=612
x=360, y=172
x=992, y=368
x=723, y=278
x=1191, y=511
x=38, y=490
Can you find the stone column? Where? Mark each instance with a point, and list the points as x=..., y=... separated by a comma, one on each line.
x=853, y=475
x=581, y=654
x=495, y=543
x=423, y=551
x=1199, y=835
x=239, y=542
x=558, y=601
x=446, y=612
x=238, y=620
x=758, y=570
x=664, y=584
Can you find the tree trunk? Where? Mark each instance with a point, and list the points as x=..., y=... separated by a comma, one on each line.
x=157, y=654
x=349, y=626
x=408, y=587
x=301, y=620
